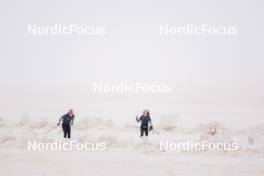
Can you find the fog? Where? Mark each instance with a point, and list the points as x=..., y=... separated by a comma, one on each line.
x=216, y=77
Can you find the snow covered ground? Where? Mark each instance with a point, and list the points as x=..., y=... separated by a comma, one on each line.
x=20, y=162
x=126, y=153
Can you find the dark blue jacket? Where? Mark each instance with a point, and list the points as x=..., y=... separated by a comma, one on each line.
x=67, y=119
x=144, y=121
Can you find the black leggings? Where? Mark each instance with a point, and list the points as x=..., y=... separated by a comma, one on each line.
x=66, y=130
x=143, y=130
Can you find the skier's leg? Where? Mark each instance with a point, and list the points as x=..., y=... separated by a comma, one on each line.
x=69, y=131
x=64, y=130
x=146, y=131
x=141, y=131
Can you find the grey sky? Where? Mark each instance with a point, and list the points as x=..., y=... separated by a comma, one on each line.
x=131, y=51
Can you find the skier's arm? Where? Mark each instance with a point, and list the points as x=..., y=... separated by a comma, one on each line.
x=59, y=121
x=150, y=125
x=138, y=119
x=72, y=120
x=150, y=122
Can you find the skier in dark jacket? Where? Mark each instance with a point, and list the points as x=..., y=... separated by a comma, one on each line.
x=67, y=122
x=145, y=122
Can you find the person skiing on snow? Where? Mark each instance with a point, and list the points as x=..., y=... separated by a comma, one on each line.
x=145, y=122
x=67, y=122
